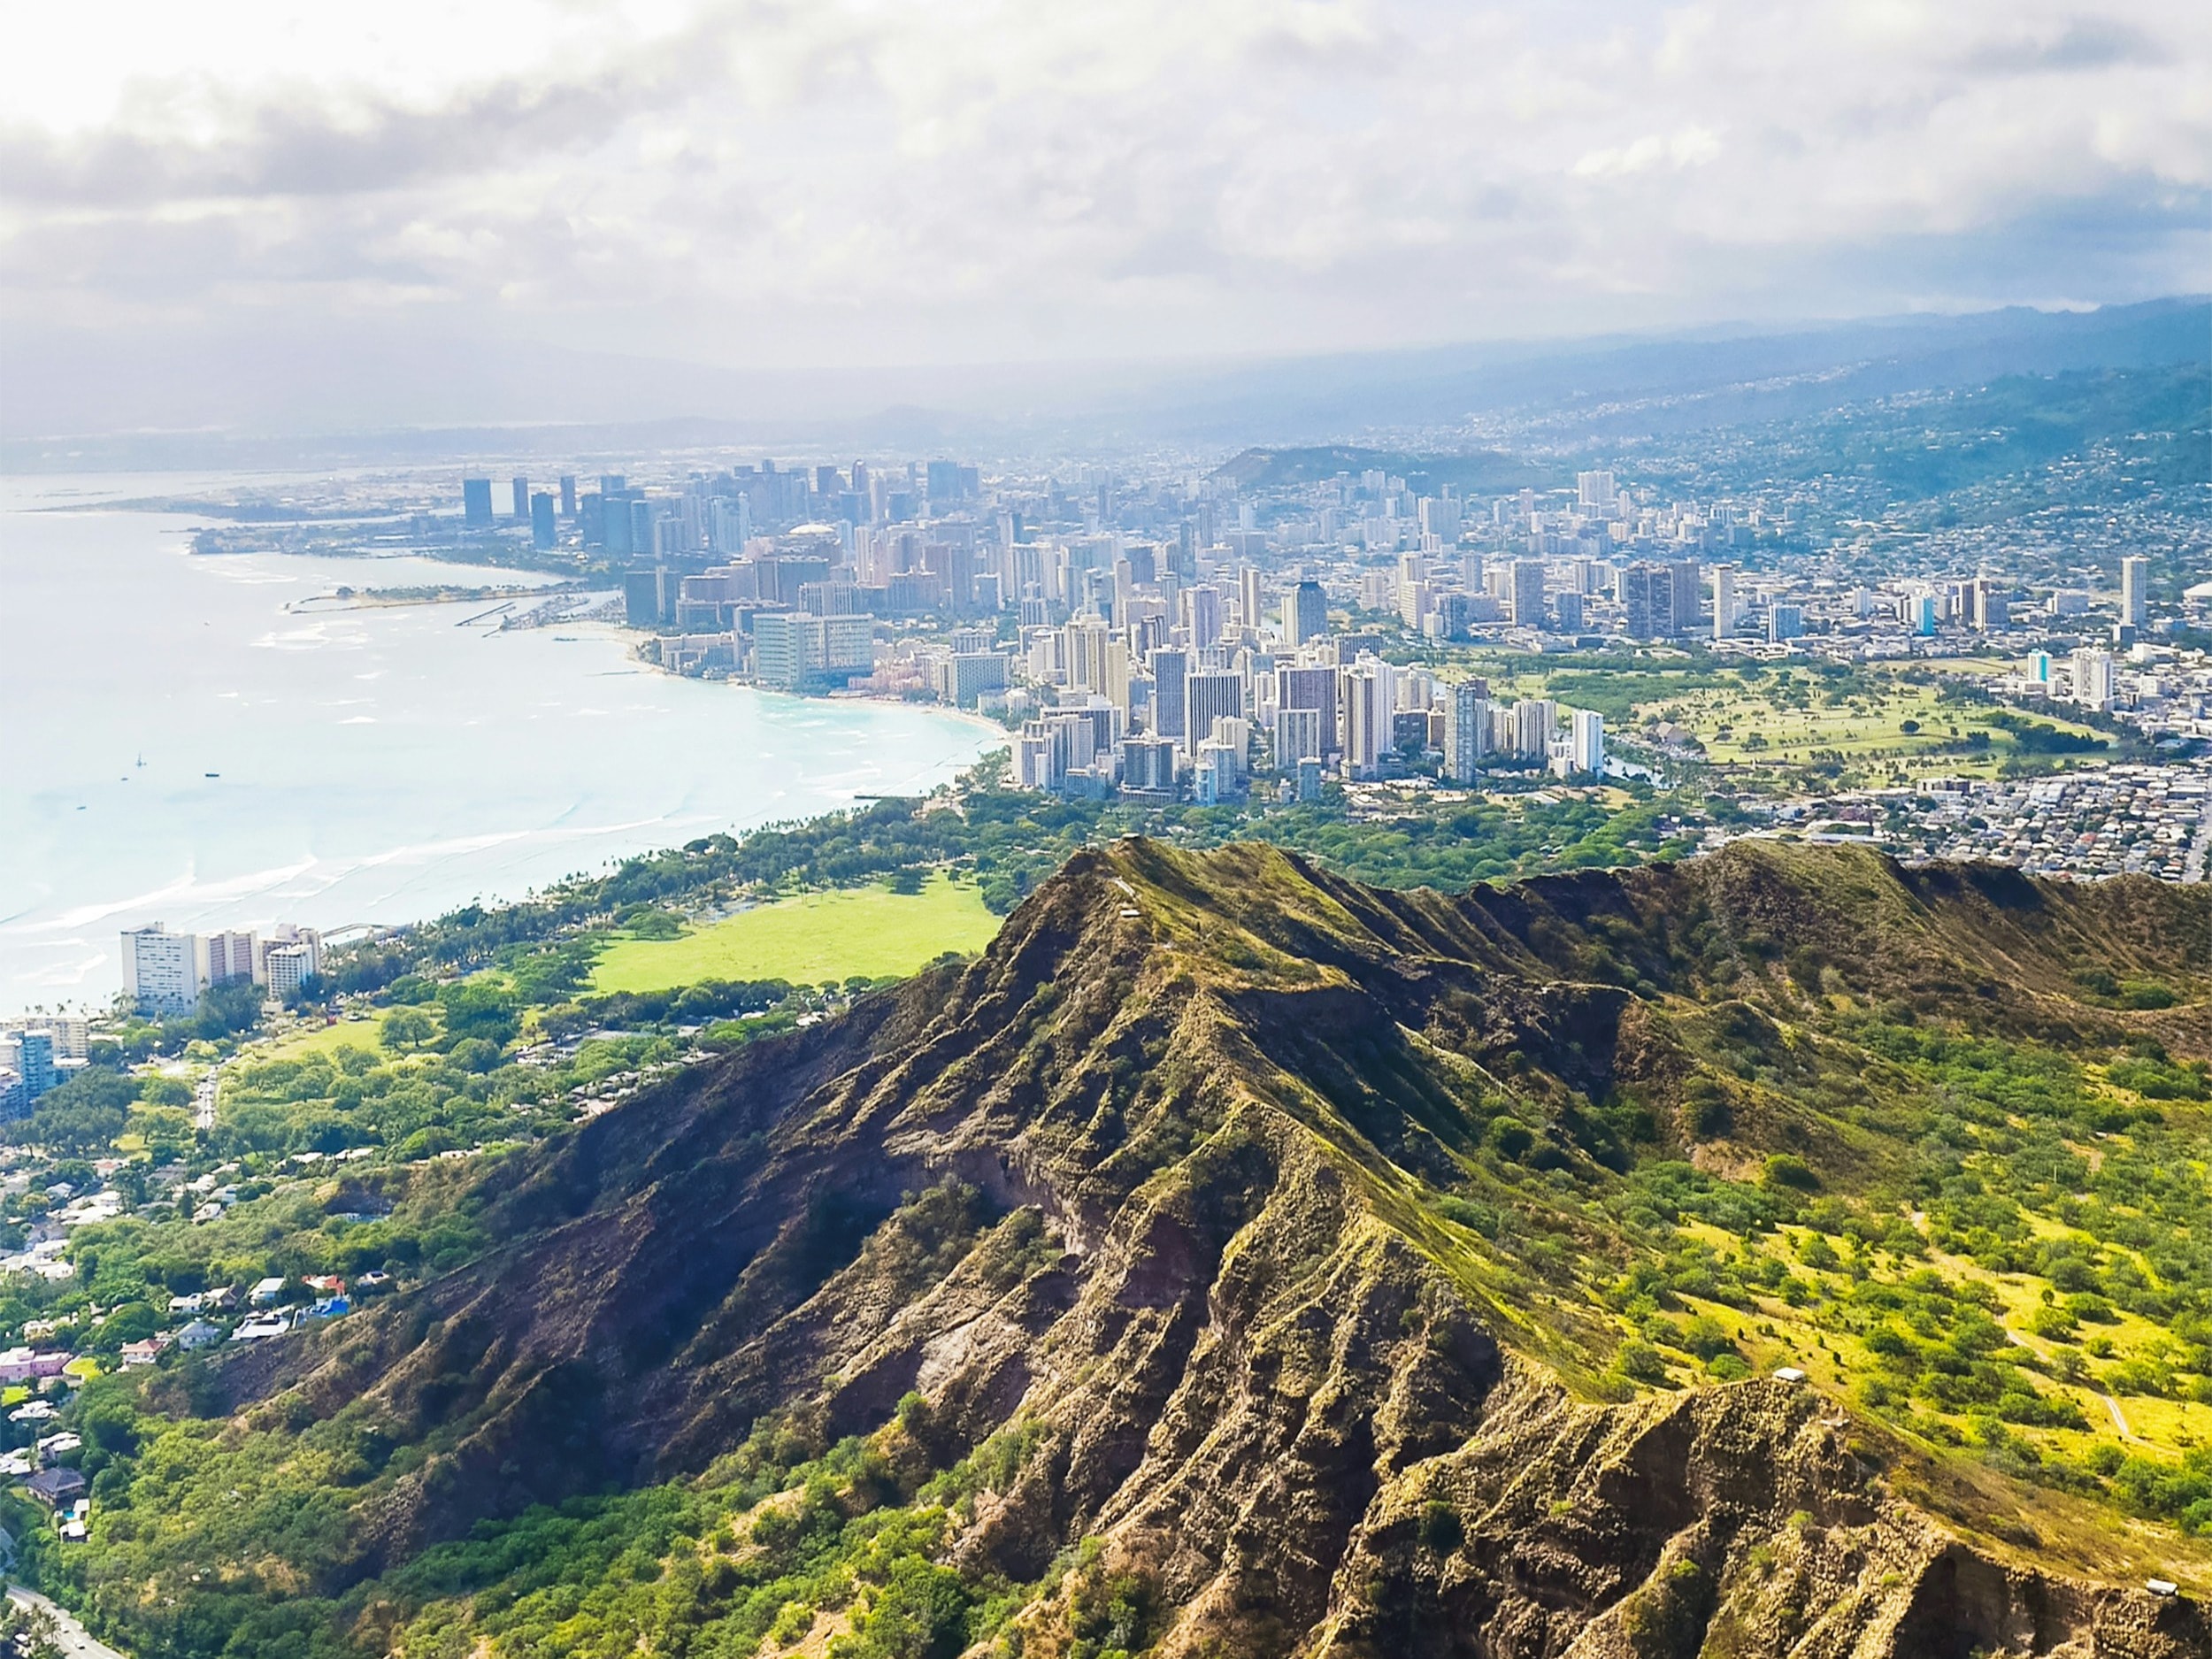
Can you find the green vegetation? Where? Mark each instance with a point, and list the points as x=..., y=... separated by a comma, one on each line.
x=865, y=933
x=1662, y=1133
x=1796, y=726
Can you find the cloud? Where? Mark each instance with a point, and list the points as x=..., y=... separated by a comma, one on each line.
x=767, y=181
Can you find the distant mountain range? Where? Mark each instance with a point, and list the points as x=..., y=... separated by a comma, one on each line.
x=91, y=402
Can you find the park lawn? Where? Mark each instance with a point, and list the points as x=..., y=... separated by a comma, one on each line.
x=1868, y=724
x=819, y=938
x=319, y=1039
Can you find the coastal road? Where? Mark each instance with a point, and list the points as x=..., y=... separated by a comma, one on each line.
x=72, y=1638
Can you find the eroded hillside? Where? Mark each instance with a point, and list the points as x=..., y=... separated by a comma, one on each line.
x=1235, y=1259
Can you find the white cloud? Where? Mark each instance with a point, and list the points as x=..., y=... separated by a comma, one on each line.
x=780, y=181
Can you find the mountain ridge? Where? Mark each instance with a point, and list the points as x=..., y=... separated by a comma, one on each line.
x=1149, y=1191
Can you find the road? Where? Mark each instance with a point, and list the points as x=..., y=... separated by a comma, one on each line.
x=73, y=1637
x=203, y=1100
x=2120, y=1421
x=2192, y=868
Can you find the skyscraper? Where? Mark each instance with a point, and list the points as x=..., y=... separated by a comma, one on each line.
x=35, y=1063
x=1723, y=600
x=521, y=486
x=1535, y=721
x=1587, y=742
x=1305, y=613
x=1201, y=615
x=228, y=957
x=1594, y=490
x=568, y=494
x=1682, y=594
x=1314, y=688
x=1528, y=593
x=1369, y=703
x=161, y=969
x=1647, y=600
x=1991, y=610
x=542, y=521
x=2093, y=678
x=1466, y=729
x=1170, y=670
x=476, y=503
x=1208, y=695
x=1297, y=736
x=2135, y=590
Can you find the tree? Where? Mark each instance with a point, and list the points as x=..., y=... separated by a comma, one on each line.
x=227, y=1009
x=406, y=1028
x=473, y=1009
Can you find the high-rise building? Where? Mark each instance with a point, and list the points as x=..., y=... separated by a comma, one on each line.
x=227, y=956
x=1305, y=613
x=1647, y=595
x=2093, y=678
x=790, y=652
x=476, y=503
x=1248, y=597
x=1784, y=623
x=1315, y=689
x=1723, y=600
x=1370, y=699
x=1585, y=751
x=1148, y=764
x=1083, y=653
x=1594, y=490
x=520, y=487
x=35, y=1063
x=1297, y=736
x=161, y=969
x=2135, y=590
x=568, y=494
x=542, y=527
x=1528, y=593
x=1466, y=729
x=1684, y=610
x=1201, y=615
x=1170, y=669
x=1208, y=695
x=1535, y=722
x=1991, y=612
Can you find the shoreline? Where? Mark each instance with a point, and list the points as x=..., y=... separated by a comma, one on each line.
x=374, y=773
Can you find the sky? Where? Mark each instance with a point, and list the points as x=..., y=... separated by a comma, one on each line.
x=854, y=182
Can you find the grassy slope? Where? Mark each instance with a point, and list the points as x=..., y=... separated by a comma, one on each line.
x=821, y=937
x=1403, y=1096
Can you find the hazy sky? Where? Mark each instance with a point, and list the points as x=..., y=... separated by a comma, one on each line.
x=869, y=181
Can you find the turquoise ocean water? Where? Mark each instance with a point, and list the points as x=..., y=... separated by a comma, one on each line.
x=334, y=766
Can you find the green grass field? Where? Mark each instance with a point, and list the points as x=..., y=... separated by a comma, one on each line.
x=1753, y=725
x=319, y=1039
x=817, y=938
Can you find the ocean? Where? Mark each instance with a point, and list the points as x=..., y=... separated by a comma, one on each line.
x=177, y=746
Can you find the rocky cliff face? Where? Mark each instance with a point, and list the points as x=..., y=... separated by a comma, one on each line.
x=1147, y=1193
